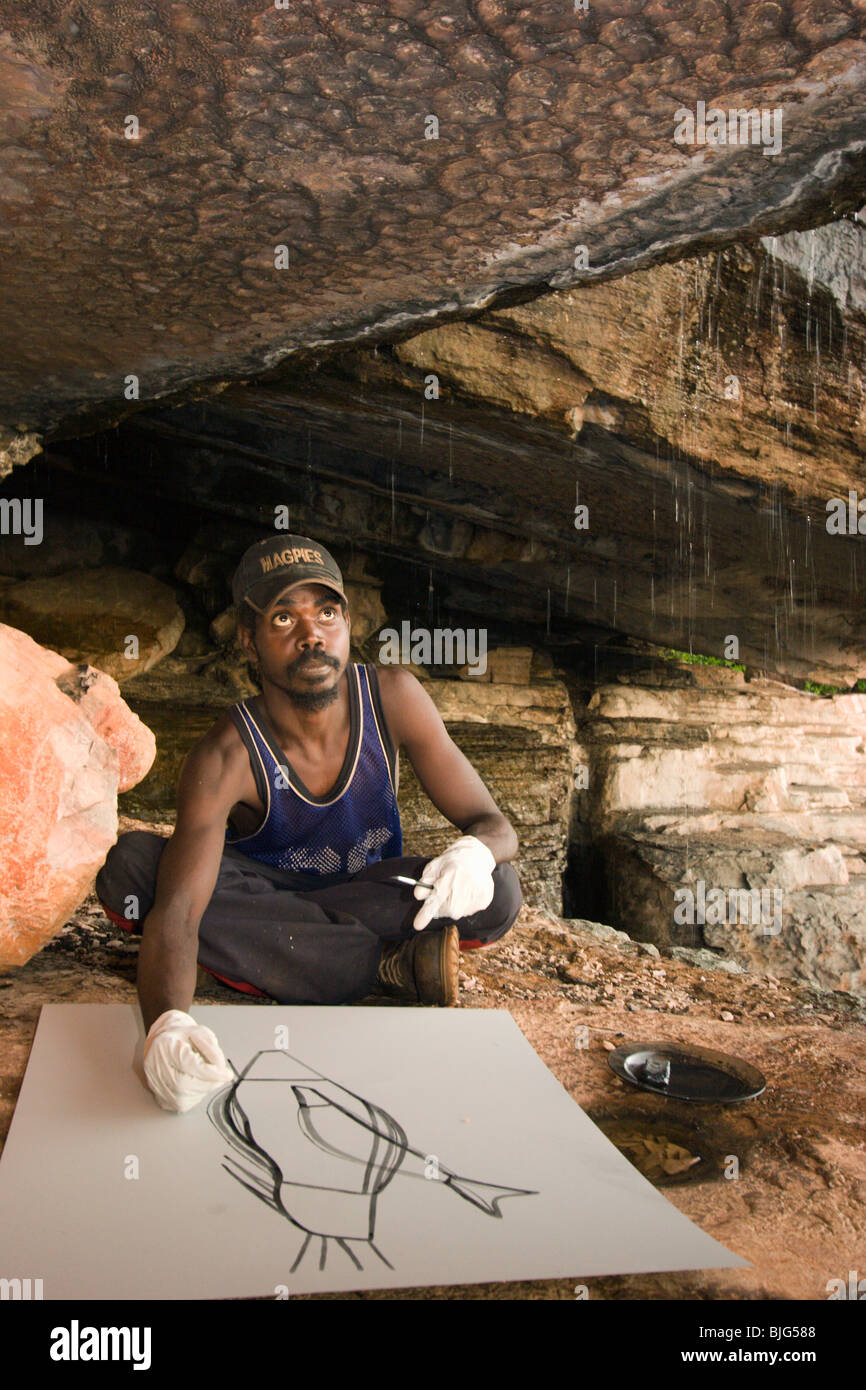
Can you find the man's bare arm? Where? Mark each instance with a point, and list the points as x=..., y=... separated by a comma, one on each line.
x=446, y=774
x=211, y=781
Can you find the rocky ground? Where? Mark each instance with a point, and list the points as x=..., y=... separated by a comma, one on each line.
x=796, y=1210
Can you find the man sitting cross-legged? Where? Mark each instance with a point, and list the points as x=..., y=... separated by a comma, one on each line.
x=282, y=875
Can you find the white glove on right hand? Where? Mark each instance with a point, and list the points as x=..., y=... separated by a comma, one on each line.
x=183, y=1062
x=457, y=883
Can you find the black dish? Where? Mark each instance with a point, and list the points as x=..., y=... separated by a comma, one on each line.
x=696, y=1073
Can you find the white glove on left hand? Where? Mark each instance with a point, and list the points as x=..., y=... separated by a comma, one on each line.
x=183, y=1062
x=461, y=882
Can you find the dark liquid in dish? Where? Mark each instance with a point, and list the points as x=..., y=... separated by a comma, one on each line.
x=697, y=1079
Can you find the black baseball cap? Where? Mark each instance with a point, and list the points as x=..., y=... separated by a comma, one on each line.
x=295, y=559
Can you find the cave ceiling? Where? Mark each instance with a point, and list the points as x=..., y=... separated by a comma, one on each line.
x=306, y=127
x=242, y=306
x=557, y=479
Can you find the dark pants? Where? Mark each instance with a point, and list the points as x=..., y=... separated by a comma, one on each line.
x=268, y=932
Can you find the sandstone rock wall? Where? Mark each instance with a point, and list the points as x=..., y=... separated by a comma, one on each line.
x=697, y=776
x=121, y=621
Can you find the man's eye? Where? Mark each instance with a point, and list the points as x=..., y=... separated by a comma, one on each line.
x=287, y=616
x=327, y=611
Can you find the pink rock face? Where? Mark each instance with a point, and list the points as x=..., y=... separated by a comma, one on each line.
x=68, y=744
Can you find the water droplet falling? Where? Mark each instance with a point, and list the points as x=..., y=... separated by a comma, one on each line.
x=392, y=502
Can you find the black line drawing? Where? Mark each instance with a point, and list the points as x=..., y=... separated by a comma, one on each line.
x=323, y=1117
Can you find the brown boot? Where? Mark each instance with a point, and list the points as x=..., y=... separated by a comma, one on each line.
x=424, y=970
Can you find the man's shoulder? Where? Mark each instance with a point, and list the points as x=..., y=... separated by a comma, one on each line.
x=216, y=771
x=396, y=681
x=221, y=740
x=405, y=702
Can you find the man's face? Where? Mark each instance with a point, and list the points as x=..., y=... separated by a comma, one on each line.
x=302, y=644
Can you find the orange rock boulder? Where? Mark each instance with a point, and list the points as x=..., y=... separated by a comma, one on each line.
x=68, y=744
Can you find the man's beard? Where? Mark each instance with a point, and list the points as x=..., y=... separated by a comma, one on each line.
x=313, y=700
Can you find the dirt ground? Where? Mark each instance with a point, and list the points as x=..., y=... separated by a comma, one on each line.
x=796, y=1209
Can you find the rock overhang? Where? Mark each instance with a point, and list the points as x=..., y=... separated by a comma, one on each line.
x=309, y=127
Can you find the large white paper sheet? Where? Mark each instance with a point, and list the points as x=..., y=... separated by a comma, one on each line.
x=360, y=1148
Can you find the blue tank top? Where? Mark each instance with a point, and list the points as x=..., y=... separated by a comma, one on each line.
x=356, y=823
